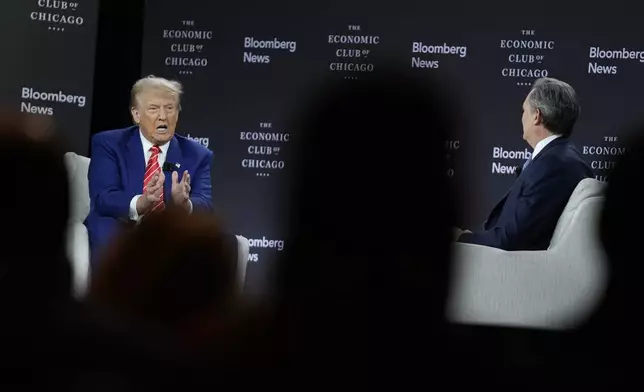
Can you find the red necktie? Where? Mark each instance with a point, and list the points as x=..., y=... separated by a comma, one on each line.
x=152, y=168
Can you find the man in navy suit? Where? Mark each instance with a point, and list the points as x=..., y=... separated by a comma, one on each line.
x=526, y=217
x=126, y=173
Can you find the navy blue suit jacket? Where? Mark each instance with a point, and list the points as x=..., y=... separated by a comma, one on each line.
x=526, y=217
x=116, y=172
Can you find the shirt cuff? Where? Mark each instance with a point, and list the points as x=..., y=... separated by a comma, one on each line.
x=134, y=215
x=189, y=206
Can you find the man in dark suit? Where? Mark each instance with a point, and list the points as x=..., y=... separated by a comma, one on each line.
x=526, y=217
x=126, y=174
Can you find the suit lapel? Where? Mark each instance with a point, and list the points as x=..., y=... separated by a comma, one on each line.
x=135, y=162
x=174, y=156
x=560, y=141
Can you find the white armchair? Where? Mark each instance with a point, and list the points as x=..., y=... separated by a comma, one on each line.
x=552, y=289
x=77, y=237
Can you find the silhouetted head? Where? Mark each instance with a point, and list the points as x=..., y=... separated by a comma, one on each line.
x=371, y=206
x=621, y=220
x=614, y=330
x=174, y=269
x=34, y=205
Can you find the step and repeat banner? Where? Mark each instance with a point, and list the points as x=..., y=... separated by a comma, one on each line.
x=244, y=74
x=47, y=66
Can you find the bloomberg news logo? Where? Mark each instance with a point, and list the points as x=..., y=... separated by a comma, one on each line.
x=45, y=101
x=263, y=243
x=504, y=168
x=204, y=141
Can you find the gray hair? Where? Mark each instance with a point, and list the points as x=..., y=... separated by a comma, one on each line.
x=558, y=104
x=152, y=82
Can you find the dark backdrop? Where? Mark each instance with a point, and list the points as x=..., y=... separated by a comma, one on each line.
x=240, y=93
x=46, y=59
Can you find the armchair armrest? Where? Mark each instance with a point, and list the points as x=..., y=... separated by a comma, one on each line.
x=243, y=249
x=78, y=253
x=536, y=289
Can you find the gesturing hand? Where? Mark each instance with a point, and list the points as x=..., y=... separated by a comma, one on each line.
x=180, y=190
x=152, y=193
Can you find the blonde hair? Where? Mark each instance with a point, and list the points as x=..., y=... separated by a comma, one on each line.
x=152, y=82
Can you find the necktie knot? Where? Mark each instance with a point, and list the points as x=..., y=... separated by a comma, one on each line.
x=155, y=149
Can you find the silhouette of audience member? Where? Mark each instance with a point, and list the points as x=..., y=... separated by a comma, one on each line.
x=34, y=209
x=364, y=279
x=35, y=275
x=613, y=335
x=174, y=270
x=48, y=339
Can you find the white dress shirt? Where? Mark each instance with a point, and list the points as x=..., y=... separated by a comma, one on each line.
x=147, y=145
x=542, y=144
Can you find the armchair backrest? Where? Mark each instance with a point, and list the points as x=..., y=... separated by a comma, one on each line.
x=77, y=168
x=575, y=220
